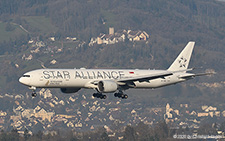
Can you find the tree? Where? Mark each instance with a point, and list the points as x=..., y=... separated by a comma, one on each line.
x=161, y=130
x=104, y=137
x=130, y=134
x=143, y=131
x=26, y=134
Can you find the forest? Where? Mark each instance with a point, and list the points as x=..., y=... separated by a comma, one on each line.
x=85, y=18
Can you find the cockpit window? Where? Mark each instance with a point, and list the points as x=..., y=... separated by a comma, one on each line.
x=26, y=75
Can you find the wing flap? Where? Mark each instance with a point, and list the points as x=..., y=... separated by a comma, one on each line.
x=143, y=78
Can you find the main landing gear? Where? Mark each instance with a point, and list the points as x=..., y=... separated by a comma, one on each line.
x=99, y=95
x=120, y=94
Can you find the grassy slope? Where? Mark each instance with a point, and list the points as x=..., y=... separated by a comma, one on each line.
x=6, y=36
x=41, y=23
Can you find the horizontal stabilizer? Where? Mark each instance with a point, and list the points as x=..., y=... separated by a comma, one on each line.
x=188, y=75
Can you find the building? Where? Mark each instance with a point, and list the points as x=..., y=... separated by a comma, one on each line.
x=137, y=35
x=119, y=36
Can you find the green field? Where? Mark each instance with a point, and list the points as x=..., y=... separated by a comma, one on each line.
x=41, y=23
x=38, y=24
x=110, y=18
x=7, y=35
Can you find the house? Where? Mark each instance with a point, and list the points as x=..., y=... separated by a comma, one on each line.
x=37, y=108
x=203, y=114
x=210, y=108
x=107, y=129
x=35, y=50
x=44, y=115
x=30, y=41
x=217, y=113
x=30, y=57
x=204, y=107
x=15, y=118
x=71, y=38
x=78, y=125
x=211, y=114
x=2, y=120
x=3, y=113
x=223, y=113
x=66, y=116
x=70, y=124
x=53, y=62
x=177, y=112
x=193, y=113
x=52, y=39
x=40, y=44
x=137, y=35
x=28, y=113
x=45, y=93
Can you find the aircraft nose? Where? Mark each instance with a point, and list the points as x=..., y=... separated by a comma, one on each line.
x=21, y=80
x=24, y=80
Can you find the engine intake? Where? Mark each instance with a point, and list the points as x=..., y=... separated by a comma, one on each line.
x=107, y=86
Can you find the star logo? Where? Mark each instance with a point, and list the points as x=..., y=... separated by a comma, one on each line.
x=182, y=61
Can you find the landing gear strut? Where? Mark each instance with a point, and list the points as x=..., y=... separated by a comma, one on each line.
x=99, y=95
x=120, y=94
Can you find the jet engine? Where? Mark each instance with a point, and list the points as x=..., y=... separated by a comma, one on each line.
x=70, y=90
x=107, y=86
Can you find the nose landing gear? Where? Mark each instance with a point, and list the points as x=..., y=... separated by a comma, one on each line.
x=34, y=94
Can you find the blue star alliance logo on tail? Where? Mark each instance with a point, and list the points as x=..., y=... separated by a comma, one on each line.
x=182, y=61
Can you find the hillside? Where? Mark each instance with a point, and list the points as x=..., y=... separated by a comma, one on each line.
x=170, y=26
x=26, y=29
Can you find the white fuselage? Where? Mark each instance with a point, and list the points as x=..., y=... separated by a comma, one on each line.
x=84, y=78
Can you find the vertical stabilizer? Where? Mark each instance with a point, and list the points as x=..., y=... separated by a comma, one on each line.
x=182, y=61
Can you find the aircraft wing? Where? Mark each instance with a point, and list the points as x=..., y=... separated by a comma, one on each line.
x=142, y=78
x=130, y=80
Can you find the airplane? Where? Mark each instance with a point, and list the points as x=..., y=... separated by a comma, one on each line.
x=111, y=80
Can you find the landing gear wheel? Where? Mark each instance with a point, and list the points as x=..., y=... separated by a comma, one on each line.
x=125, y=96
x=103, y=97
x=34, y=94
x=95, y=95
x=116, y=95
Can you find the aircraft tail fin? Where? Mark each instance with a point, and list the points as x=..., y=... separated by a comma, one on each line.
x=182, y=61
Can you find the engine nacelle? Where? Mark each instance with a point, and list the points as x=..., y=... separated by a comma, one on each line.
x=70, y=90
x=107, y=86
